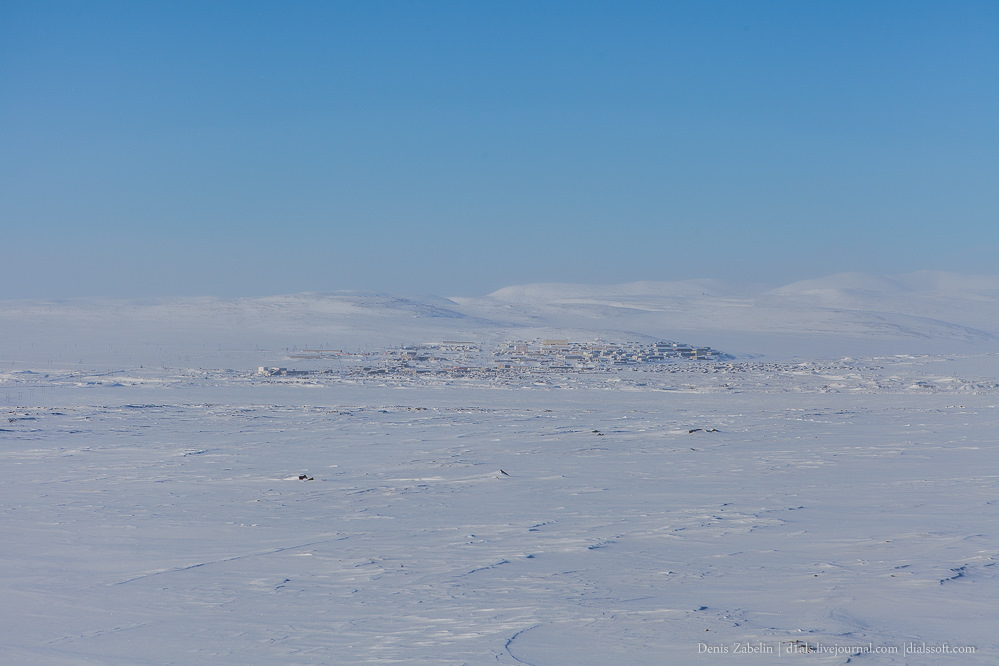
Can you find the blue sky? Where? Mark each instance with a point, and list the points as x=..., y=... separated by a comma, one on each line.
x=252, y=148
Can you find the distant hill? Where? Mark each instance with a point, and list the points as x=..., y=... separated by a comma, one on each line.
x=843, y=314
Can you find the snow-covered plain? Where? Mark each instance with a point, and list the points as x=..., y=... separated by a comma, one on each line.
x=830, y=490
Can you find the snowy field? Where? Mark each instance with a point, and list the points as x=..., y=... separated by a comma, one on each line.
x=823, y=509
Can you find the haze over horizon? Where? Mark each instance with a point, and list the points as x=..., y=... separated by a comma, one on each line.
x=252, y=149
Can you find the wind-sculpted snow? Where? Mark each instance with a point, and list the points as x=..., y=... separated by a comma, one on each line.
x=821, y=490
x=157, y=516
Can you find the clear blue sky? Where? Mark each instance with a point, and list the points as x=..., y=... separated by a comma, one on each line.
x=252, y=148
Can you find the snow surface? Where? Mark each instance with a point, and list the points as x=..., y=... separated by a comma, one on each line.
x=153, y=510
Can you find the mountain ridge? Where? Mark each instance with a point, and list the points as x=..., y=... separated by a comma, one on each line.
x=841, y=313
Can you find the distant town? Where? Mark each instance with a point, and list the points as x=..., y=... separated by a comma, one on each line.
x=455, y=357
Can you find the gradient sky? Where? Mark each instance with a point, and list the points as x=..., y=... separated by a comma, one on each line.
x=252, y=148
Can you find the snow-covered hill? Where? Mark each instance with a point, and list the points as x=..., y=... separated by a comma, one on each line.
x=846, y=314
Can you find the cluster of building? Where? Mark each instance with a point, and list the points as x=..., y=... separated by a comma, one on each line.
x=462, y=358
x=566, y=355
x=280, y=372
x=450, y=356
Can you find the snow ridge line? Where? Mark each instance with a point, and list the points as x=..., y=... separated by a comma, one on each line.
x=510, y=640
x=226, y=559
